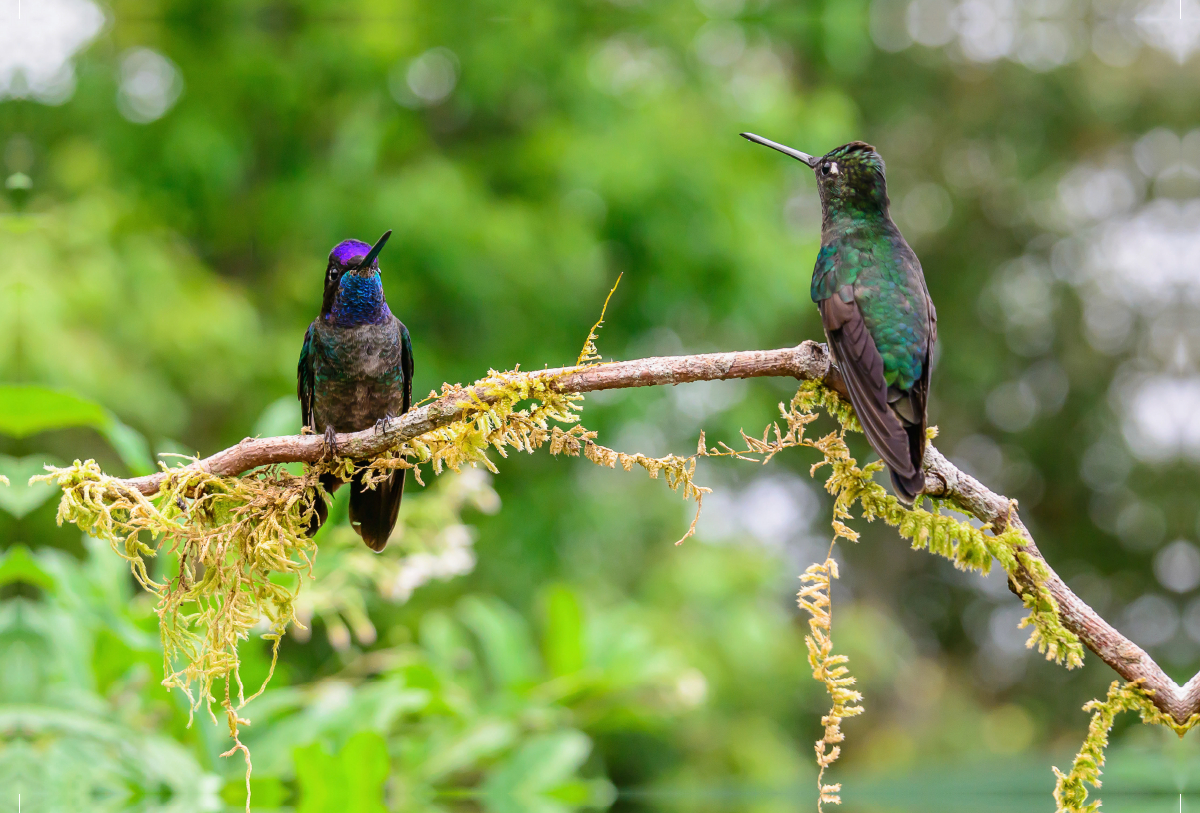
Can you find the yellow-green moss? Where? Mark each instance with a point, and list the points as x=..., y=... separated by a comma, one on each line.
x=830, y=670
x=1070, y=793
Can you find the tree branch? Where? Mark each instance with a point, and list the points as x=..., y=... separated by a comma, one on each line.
x=944, y=479
x=809, y=360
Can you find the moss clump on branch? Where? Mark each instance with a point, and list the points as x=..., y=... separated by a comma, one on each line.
x=238, y=547
x=968, y=547
x=238, y=543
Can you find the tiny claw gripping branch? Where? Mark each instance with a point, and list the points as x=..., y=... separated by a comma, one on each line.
x=330, y=436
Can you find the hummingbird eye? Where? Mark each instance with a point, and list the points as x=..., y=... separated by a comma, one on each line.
x=829, y=168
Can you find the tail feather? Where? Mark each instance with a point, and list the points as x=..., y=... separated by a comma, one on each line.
x=909, y=487
x=373, y=510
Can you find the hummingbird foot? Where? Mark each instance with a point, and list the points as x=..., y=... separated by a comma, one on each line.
x=330, y=442
x=383, y=423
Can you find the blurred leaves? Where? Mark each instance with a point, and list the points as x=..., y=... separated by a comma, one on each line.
x=78, y=734
x=431, y=542
x=471, y=708
x=351, y=780
x=21, y=496
x=126, y=317
x=526, y=155
x=27, y=410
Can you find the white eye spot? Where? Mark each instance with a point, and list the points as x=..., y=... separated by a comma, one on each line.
x=833, y=168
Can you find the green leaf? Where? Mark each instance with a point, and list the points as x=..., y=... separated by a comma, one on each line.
x=22, y=496
x=349, y=782
x=18, y=566
x=317, y=778
x=527, y=780
x=483, y=740
x=365, y=765
x=281, y=417
x=27, y=410
x=562, y=642
x=130, y=445
x=504, y=638
x=445, y=643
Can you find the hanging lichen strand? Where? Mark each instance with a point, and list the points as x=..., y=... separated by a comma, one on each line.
x=1070, y=794
x=969, y=548
x=829, y=669
x=236, y=542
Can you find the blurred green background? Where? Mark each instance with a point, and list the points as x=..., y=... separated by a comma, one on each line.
x=175, y=175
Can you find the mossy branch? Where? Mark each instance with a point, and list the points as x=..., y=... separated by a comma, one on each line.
x=1060, y=620
x=244, y=530
x=455, y=404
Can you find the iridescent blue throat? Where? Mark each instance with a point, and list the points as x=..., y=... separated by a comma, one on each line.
x=359, y=301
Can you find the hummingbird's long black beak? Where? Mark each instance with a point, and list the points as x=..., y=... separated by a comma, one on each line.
x=766, y=142
x=373, y=254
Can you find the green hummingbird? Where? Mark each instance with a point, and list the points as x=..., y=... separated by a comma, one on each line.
x=875, y=307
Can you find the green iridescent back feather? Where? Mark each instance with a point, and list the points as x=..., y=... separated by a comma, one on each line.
x=861, y=247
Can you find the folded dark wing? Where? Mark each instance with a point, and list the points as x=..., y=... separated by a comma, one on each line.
x=305, y=383
x=406, y=366
x=862, y=368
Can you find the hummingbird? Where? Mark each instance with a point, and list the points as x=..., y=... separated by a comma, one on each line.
x=878, y=318
x=355, y=372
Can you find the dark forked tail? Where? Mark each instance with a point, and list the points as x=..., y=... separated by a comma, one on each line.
x=373, y=510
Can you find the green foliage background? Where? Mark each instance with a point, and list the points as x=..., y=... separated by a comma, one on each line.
x=161, y=275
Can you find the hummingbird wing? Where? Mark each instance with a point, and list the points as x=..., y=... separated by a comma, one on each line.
x=305, y=391
x=862, y=367
x=305, y=381
x=910, y=404
x=406, y=367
